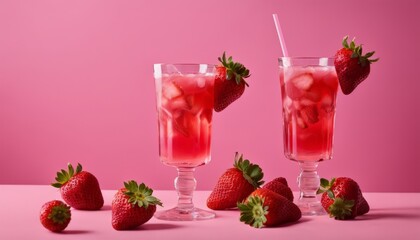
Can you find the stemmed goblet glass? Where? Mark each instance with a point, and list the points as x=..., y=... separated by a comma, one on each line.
x=308, y=90
x=185, y=94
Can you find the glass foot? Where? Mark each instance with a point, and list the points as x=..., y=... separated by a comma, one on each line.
x=310, y=208
x=176, y=214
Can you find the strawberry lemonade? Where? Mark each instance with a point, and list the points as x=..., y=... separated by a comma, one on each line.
x=185, y=107
x=308, y=96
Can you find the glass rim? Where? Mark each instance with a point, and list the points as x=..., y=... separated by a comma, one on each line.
x=306, y=58
x=184, y=64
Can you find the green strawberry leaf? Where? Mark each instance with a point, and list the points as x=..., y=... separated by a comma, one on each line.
x=64, y=176
x=251, y=172
x=357, y=52
x=341, y=209
x=140, y=195
x=253, y=211
x=235, y=70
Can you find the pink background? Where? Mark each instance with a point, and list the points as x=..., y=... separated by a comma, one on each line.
x=76, y=85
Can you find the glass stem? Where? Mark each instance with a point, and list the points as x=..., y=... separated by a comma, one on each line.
x=185, y=185
x=308, y=180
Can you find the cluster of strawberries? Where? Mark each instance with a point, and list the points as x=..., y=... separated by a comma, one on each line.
x=132, y=205
x=240, y=186
x=272, y=204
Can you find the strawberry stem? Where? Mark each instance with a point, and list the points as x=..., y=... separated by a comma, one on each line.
x=253, y=211
x=234, y=70
x=140, y=195
x=341, y=209
x=64, y=176
x=251, y=172
x=60, y=214
x=358, y=52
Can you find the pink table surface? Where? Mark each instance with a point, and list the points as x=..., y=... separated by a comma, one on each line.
x=392, y=216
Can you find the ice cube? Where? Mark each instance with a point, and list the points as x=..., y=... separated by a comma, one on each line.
x=201, y=82
x=303, y=81
x=179, y=103
x=292, y=91
x=296, y=105
x=327, y=104
x=172, y=90
x=180, y=124
x=314, y=93
x=298, y=85
x=300, y=122
x=307, y=102
x=309, y=114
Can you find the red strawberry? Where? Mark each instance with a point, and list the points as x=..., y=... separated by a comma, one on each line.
x=133, y=206
x=235, y=184
x=79, y=189
x=342, y=198
x=279, y=186
x=267, y=208
x=229, y=83
x=352, y=67
x=55, y=215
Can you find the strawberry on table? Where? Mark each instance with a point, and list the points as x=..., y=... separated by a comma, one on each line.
x=342, y=198
x=267, y=208
x=133, y=206
x=279, y=186
x=229, y=84
x=352, y=66
x=55, y=215
x=235, y=184
x=79, y=189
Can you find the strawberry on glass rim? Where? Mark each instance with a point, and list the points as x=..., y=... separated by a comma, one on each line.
x=352, y=66
x=229, y=84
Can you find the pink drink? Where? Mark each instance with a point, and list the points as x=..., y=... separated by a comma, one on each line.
x=185, y=107
x=308, y=94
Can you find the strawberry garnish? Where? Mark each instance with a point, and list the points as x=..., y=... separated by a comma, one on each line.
x=79, y=189
x=133, y=206
x=55, y=215
x=352, y=66
x=229, y=83
x=235, y=184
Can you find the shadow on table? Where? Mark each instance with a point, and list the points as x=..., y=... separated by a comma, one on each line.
x=157, y=226
x=106, y=208
x=396, y=213
x=76, y=232
x=302, y=220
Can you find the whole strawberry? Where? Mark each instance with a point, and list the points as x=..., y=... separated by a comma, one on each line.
x=279, y=185
x=235, y=184
x=79, y=189
x=133, y=206
x=267, y=208
x=352, y=67
x=342, y=198
x=55, y=215
x=229, y=83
